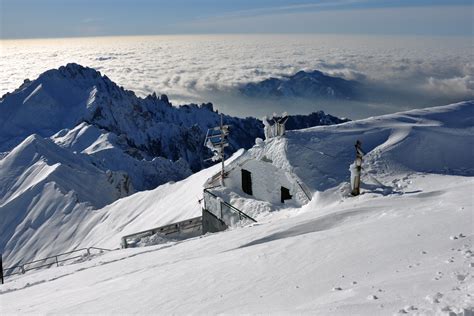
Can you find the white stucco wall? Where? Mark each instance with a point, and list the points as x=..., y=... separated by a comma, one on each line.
x=267, y=181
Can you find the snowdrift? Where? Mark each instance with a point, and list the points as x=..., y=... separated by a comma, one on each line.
x=435, y=140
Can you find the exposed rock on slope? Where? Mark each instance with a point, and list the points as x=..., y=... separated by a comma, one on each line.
x=151, y=140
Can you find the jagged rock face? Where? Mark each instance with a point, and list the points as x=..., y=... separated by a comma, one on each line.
x=303, y=84
x=72, y=141
x=314, y=119
x=150, y=127
x=129, y=132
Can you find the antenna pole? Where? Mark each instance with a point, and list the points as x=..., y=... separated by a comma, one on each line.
x=222, y=150
x=358, y=168
x=216, y=141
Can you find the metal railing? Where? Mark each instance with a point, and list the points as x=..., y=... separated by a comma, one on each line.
x=305, y=190
x=224, y=205
x=178, y=227
x=43, y=262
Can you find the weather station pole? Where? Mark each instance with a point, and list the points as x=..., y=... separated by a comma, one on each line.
x=216, y=141
x=356, y=169
x=222, y=149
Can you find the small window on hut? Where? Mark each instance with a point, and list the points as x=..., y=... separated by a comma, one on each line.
x=285, y=194
x=247, y=181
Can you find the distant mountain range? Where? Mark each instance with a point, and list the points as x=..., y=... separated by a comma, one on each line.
x=313, y=84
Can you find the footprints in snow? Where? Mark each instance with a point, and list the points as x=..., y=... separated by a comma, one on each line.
x=461, y=235
x=407, y=309
x=372, y=297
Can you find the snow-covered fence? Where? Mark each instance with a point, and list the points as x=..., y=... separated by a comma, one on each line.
x=48, y=262
x=224, y=211
x=185, y=229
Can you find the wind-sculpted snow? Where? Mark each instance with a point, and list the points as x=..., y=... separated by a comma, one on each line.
x=45, y=191
x=437, y=140
x=320, y=158
x=358, y=255
x=434, y=140
x=407, y=253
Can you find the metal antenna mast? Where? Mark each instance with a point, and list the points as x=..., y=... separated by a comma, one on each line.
x=221, y=147
x=216, y=140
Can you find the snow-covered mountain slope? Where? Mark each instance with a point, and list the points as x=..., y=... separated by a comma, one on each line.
x=43, y=187
x=78, y=102
x=108, y=151
x=403, y=246
x=105, y=143
x=436, y=140
x=168, y=203
x=408, y=253
x=62, y=98
x=47, y=210
x=303, y=84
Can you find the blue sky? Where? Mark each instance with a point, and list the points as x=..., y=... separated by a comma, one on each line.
x=72, y=18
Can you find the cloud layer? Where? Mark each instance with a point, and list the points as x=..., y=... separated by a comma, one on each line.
x=404, y=72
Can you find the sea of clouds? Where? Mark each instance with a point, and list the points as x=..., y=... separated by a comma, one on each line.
x=402, y=72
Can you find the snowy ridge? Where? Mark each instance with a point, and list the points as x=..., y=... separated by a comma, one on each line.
x=436, y=140
x=145, y=127
x=43, y=187
x=108, y=151
x=62, y=100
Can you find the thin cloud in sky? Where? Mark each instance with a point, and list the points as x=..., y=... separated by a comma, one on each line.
x=403, y=71
x=289, y=8
x=59, y=18
x=414, y=20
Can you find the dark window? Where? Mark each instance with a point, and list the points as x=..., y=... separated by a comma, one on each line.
x=285, y=194
x=246, y=181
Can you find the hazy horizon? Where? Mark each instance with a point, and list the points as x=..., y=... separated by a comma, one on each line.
x=79, y=18
x=403, y=71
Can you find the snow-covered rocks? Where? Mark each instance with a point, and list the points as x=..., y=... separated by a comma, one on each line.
x=313, y=84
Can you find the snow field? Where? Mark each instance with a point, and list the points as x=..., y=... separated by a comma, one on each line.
x=372, y=254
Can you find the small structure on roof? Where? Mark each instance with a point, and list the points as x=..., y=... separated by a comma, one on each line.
x=275, y=126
